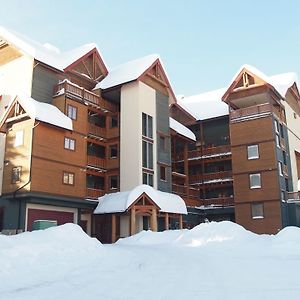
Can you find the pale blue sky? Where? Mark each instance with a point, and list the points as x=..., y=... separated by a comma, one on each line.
x=202, y=43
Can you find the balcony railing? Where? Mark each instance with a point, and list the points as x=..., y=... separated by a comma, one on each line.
x=96, y=161
x=67, y=87
x=207, y=177
x=94, y=193
x=293, y=195
x=251, y=111
x=97, y=130
x=222, y=202
x=183, y=191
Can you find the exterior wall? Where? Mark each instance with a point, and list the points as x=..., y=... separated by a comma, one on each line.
x=294, y=141
x=18, y=156
x=163, y=155
x=17, y=75
x=43, y=82
x=124, y=226
x=136, y=98
x=2, y=148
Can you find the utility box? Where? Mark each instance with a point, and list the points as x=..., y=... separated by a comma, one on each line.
x=43, y=224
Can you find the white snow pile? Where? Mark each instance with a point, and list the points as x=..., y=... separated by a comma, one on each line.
x=212, y=261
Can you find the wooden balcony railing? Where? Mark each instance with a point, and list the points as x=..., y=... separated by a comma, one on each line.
x=94, y=193
x=293, y=195
x=96, y=161
x=250, y=111
x=210, y=176
x=67, y=87
x=183, y=190
x=97, y=130
x=222, y=202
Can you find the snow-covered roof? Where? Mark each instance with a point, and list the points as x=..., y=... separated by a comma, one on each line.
x=44, y=112
x=181, y=129
x=121, y=201
x=127, y=72
x=281, y=82
x=206, y=105
x=46, y=53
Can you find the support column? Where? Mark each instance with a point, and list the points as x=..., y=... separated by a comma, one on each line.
x=113, y=228
x=180, y=222
x=132, y=221
x=166, y=221
x=186, y=169
x=154, y=220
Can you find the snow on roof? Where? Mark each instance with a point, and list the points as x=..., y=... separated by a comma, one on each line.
x=181, y=129
x=44, y=112
x=127, y=72
x=46, y=53
x=281, y=82
x=206, y=105
x=121, y=201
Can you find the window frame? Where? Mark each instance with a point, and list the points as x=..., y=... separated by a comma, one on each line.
x=255, y=186
x=110, y=182
x=14, y=179
x=255, y=213
x=280, y=168
x=149, y=178
x=110, y=148
x=71, y=110
x=69, y=142
x=164, y=168
x=69, y=175
x=254, y=156
x=147, y=125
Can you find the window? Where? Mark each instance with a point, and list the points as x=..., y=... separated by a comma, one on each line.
x=113, y=182
x=282, y=195
x=280, y=168
x=276, y=125
x=257, y=210
x=253, y=152
x=281, y=131
x=16, y=174
x=113, y=151
x=68, y=178
x=114, y=122
x=163, y=173
x=69, y=144
x=147, y=155
x=162, y=143
x=148, y=178
x=277, y=140
x=19, y=138
x=255, y=182
x=72, y=112
x=147, y=126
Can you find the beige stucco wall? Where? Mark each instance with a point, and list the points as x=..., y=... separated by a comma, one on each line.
x=293, y=125
x=136, y=98
x=16, y=76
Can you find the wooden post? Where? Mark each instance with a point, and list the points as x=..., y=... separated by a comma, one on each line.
x=186, y=169
x=180, y=222
x=132, y=221
x=113, y=228
x=154, y=220
x=166, y=221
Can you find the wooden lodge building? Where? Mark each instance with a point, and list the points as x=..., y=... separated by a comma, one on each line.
x=116, y=152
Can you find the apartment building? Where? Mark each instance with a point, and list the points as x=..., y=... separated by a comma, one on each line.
x=74, y=132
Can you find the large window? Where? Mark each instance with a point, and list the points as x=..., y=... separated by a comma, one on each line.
x=257, y=210
x=19, y=138
x=147, y=126
x=147, y=155
x=255, y=181
x=72, y=112
x=252, y=151
x=68, y=178
x=148, y=178
x=16, y=174
x=69, y=144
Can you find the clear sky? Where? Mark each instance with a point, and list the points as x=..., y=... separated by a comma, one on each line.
x=202, y=43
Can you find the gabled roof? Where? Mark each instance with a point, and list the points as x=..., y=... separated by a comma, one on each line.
x=40, y=111
x=127, y=72
x=46, y=53
x=281, y=82
x=182, y=130
x=121, y=201
x=206, y=105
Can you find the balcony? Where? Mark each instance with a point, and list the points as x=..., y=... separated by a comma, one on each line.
x=217, y=202
x=73, y=90
x=94, y=193
x=97, y=130
x=207, y=178
x=250, y=112
x=96, y=162
x=185, y=191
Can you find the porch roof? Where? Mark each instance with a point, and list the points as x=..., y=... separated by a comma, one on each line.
x=121, y=201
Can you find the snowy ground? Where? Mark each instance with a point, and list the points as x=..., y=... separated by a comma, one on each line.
x=211, y=261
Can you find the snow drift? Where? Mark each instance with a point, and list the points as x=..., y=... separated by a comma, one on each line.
x=211, y=261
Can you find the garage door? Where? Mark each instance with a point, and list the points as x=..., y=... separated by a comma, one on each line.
x=61, y=217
